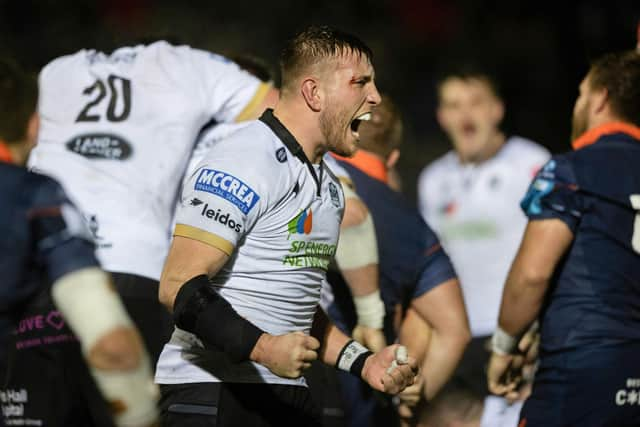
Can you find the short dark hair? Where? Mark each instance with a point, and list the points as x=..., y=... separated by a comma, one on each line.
x=383, y=133
x=18, y=100
x=619, y=74
x=467, y=72
x=315, y=44
x=254, y=65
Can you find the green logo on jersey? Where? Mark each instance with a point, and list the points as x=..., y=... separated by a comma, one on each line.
x=302, y=223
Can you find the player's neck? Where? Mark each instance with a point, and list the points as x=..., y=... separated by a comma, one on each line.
x=495, y=143
x=303, y=127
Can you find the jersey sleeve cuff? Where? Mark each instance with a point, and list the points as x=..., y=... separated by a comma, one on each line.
x=203, y=236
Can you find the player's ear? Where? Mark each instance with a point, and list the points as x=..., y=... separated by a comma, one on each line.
x=311, y=93
x=442, y=117
x=392, y=158
x=498, y=111
x=599, y=101
x=33, y=125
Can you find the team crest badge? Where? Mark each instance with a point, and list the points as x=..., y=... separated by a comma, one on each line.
x=281, y=155
x=335, y=196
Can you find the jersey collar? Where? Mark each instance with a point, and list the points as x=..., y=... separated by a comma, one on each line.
x=283, y=134
x=368, y=163
x=592, y=135
x=291, y=143
x=5, y=154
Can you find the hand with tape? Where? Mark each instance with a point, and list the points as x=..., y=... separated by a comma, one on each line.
x=390, y=370
x=287, y=355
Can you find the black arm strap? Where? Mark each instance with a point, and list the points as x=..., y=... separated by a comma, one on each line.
x=201, y=310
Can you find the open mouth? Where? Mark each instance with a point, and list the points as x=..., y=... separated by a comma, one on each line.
x=355, y=123
x=469, y=129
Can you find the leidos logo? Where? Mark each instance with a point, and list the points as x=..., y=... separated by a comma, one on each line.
x=217, y=216
x=302, y=223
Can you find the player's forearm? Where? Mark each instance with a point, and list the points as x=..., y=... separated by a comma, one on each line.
x=334, y=341
x=443, y=309
x=522, y=299
x=111, y=345
x=361, y=280
x=443, y=354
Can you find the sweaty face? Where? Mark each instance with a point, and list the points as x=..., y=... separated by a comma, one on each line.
x=469, y=112
x=349, y=97
x=580, y=119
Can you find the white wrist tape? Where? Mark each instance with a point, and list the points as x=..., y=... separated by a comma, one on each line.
x=92, y=308
x=133, y=391
x=502, y=343
x=370, y=310
x=89, y=305
x=402, y=358
x=357, y=246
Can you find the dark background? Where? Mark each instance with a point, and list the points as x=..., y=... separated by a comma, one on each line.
x=538, y=50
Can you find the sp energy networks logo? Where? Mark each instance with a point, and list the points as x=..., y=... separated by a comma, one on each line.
x=228, y=187
x=302, y=223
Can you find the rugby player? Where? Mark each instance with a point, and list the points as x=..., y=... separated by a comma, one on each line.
x=251, y=247
x=470, y=196
x=578, y=266
x=47, y=248
x=116, y=131
x=417, y=281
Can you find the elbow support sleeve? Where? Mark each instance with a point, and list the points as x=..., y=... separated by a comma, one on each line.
x=357, y=246
x=201, y=310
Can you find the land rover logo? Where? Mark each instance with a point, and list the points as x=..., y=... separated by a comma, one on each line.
x=100, y=146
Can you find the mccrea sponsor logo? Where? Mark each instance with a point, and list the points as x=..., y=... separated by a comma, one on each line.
x=100, y=146
x=228, y=187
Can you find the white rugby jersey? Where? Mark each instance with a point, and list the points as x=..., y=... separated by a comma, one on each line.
x=254, y=197
x=206, y=140
x=117, y=130
x=475, y=210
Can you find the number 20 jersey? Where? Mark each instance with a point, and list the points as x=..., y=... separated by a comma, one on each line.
x=117, y=131
x=594, y=298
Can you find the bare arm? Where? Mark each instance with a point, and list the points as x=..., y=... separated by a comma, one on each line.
x=543, y=245
x=443, y=309
x=415, y=334
x=187, y=258
x=376, y=367
x=357, y=257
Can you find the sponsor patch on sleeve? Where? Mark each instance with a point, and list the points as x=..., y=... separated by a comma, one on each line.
x=228, y=187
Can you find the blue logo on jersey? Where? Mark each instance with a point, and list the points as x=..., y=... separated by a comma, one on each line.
x=531, y=202
x=551, y=165
x=228, y=187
